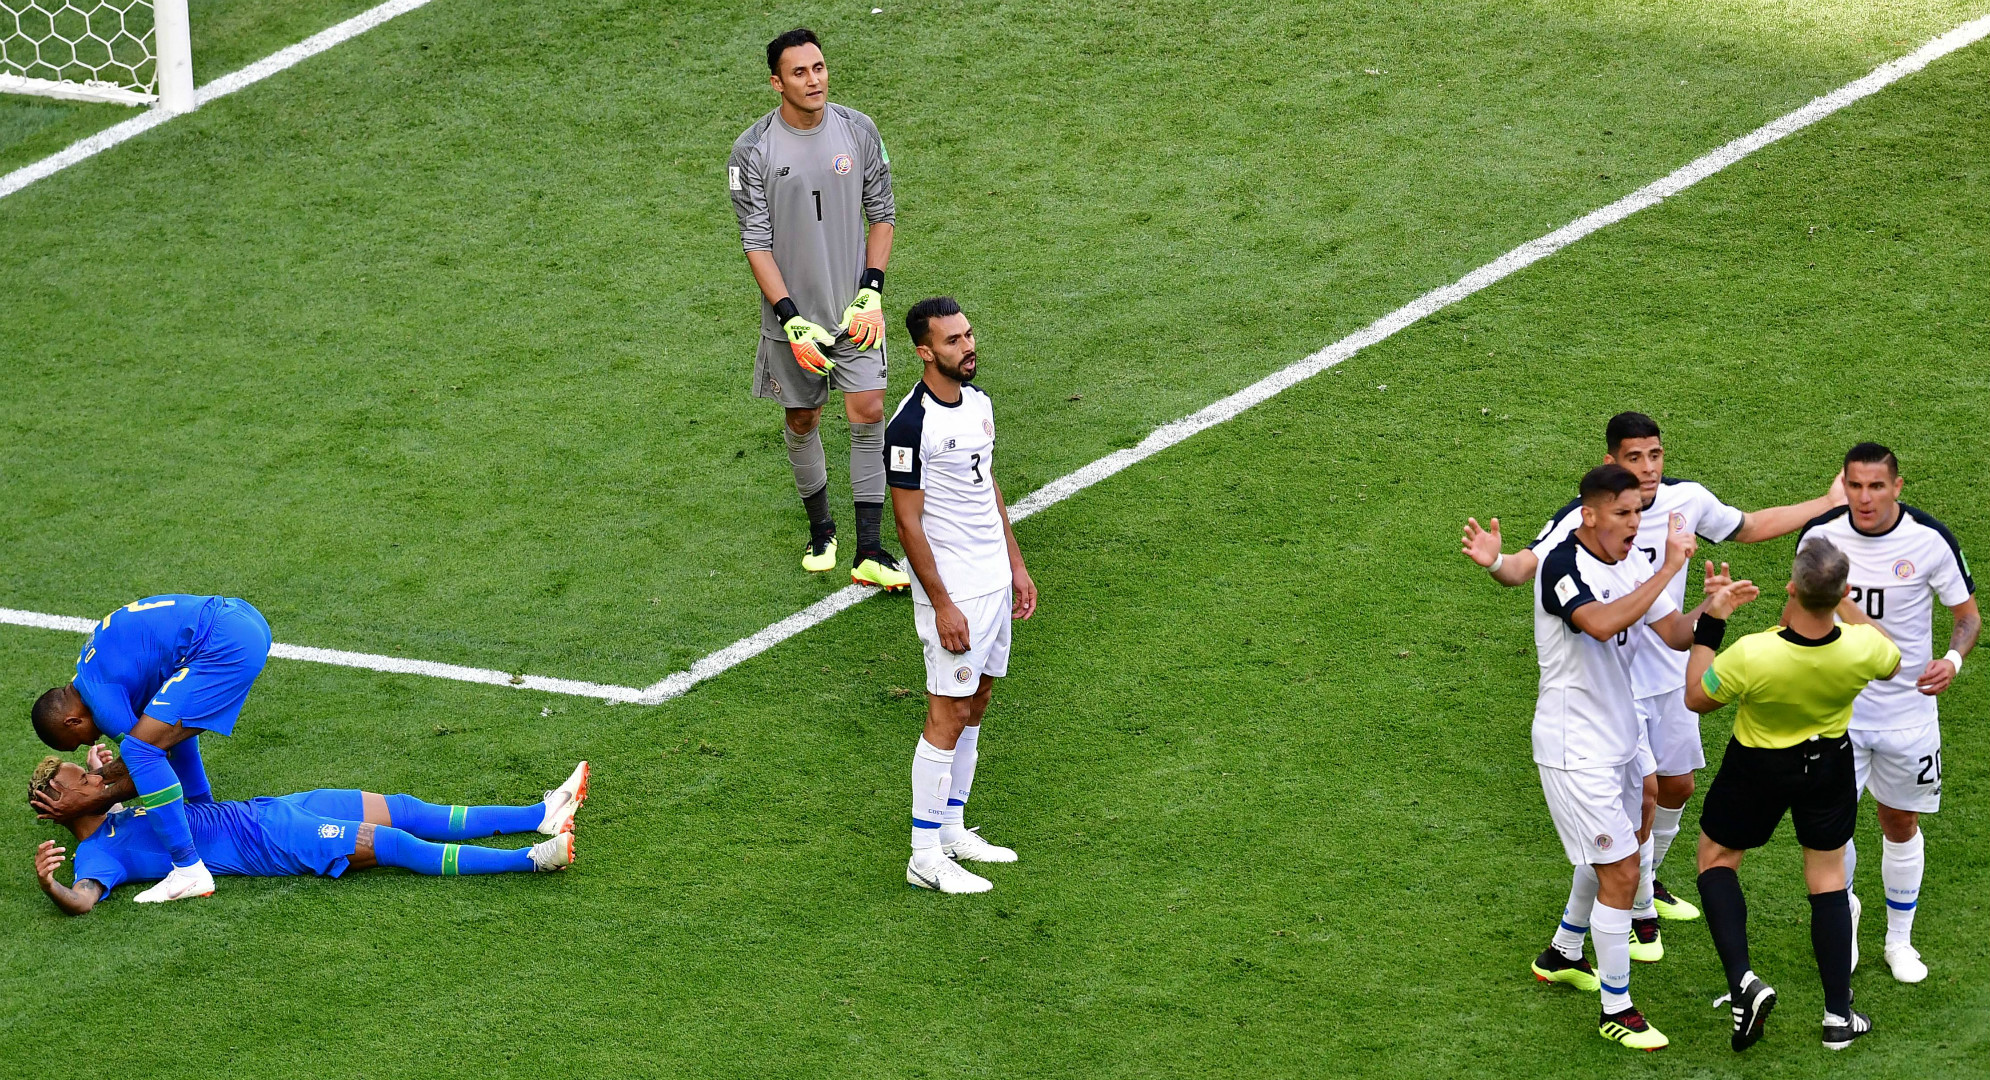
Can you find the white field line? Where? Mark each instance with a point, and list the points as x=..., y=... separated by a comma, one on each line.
x=370, y=661
x=1167, y=435
x=84, y=149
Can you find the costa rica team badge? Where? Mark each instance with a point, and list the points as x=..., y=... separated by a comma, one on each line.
x=840, y=163
x=1903, y=569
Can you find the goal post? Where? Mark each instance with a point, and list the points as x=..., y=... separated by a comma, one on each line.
x=130, y=52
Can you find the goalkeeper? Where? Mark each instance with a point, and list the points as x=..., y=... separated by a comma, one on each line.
x=324, y=832
x=811, y=184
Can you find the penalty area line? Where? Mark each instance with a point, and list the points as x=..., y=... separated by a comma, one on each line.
x=290, y=56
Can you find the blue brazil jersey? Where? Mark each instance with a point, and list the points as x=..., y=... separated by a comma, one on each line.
x=263, y=837
x=174, y=657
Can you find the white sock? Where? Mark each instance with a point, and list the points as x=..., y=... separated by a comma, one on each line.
x=1610, y=929
x=930, y=783
x=954, y=825
x=1900, y=869
x=1664, y=828
x=1851, y=864
x=1575, y=917
x=1647, y=866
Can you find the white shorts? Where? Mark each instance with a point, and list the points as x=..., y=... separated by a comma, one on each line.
x=1901, y=767
x=959, y=674
x=1673, y=732
x=1596, y=811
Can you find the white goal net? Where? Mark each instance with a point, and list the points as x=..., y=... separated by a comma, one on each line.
x=97, y=50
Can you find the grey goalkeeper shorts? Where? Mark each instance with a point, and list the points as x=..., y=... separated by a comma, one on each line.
x=777, y=375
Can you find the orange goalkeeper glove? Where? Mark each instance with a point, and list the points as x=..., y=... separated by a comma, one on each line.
x=863, y=320
x=805, y=338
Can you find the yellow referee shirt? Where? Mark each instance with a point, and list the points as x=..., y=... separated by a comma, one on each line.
x=1790, y=688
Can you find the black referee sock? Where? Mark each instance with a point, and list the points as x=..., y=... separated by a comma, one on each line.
x=1727, y=919
x=1831, y=941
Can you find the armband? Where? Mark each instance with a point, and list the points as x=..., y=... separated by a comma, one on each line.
x=1499, y=560
x=785, y=309
x=873, y=279
x=1955, y=659
x=1709, y=631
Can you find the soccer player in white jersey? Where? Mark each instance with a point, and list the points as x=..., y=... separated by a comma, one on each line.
x=1658, y=673
x=1902, y=561
x=968, y=584
x=1594, y=590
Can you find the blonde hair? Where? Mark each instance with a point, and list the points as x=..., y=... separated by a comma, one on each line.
x=43, y=774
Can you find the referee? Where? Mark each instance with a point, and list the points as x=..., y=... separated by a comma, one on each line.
x=1793, y=687
x=811, y=185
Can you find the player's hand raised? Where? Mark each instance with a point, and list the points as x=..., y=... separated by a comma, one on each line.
x=807, y=339
x=1722, y=603
x=48, y=859
x=1712, y=582
x=98, y=756
x=1680, y=544
x=1482, y=546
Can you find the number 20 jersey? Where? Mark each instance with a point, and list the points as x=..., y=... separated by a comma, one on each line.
x=1896, y=577
x=948, y=451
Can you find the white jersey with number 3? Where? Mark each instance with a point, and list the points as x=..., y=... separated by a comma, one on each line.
x=948, y=451
x=1896, y=577
x=1586, y=717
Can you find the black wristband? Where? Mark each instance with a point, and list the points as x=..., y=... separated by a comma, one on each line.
x=784, y=309
x=1709, y=631
x=873, y=279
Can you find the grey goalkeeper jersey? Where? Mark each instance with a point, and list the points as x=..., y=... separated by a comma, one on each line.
x=807, y=196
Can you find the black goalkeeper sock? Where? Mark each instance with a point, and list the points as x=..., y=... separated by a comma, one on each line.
x=1831, y=942
x=870, y=527
x=1727, y=919
x=821, y=525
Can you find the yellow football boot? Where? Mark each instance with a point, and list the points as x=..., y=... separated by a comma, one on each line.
x=880, y=569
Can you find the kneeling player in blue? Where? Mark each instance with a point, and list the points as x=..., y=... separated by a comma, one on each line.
x=324, y=832
x=157, y=673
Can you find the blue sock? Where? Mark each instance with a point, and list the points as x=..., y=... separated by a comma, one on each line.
x=393, y=847
x=432, y=822
x=185, y=759
x=159, y=792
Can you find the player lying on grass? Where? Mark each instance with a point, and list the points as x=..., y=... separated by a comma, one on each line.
x=157, y=673
x=324, y=832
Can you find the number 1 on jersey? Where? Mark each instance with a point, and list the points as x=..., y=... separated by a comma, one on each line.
x=818, y=204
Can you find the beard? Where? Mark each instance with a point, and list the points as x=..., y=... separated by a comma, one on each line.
x=960, y=372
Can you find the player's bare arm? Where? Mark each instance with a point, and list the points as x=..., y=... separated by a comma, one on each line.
x=1482, y=546
x=906, y=506
x=72, y=900
x=1024, y=588
x=1760, y=525
x=1941, y=671
x=1603, y=620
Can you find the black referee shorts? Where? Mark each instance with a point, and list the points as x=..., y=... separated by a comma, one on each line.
x=1812, y=781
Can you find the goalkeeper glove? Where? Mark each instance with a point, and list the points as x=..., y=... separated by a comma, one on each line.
x=863, y=320
x=805, y=338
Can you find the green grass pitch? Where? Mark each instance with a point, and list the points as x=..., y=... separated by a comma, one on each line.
x=436, y=345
